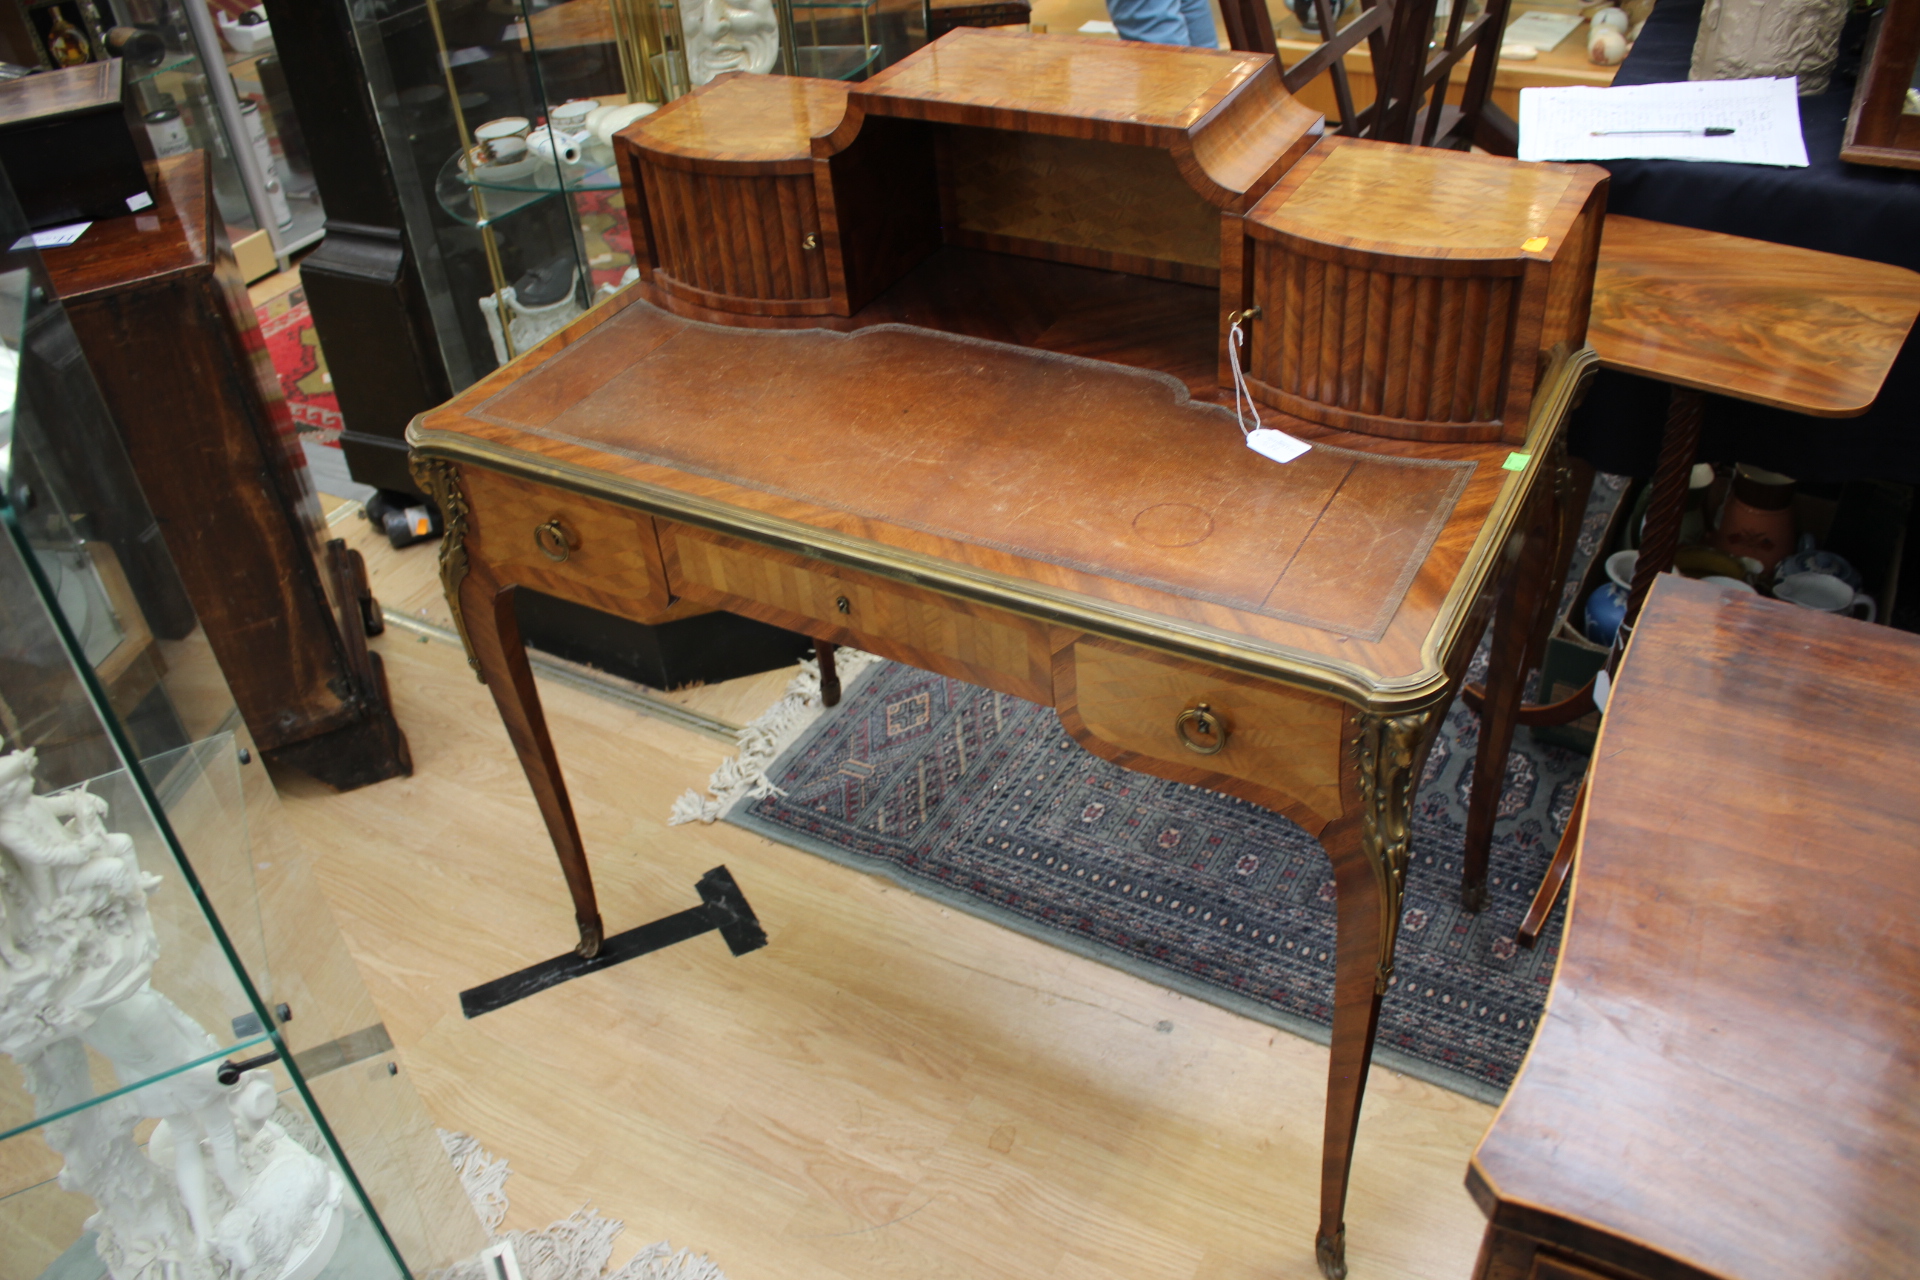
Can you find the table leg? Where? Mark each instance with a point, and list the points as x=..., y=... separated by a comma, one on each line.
x=493, y=633
x=1369, y=851
x=1660, y=533
x=1522, y=599
x=829, y=676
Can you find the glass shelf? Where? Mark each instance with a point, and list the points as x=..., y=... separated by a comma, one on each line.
x=835, y=61
x=455, y=189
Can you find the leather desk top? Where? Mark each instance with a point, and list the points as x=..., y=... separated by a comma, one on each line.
x=1727, y=1078
x=1072, y=489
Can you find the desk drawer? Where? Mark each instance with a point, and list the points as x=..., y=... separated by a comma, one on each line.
x=953, y=637
x=1123, y=703
x=577, y=548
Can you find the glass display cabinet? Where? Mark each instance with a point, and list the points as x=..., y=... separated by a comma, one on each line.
x=498, y=115
x=194, y=1084
x=216, y=84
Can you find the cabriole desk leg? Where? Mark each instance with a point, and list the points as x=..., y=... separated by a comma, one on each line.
x=1369, y=852
x=483, y=613
x=501, y=655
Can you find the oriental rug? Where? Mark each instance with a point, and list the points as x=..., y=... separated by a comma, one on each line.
x=984, y=802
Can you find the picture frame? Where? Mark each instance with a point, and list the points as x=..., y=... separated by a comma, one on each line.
x=1883, y=127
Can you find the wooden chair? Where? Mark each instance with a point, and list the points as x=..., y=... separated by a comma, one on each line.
x=1409, y=68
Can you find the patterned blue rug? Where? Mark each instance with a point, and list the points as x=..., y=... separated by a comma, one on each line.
x=982, y=801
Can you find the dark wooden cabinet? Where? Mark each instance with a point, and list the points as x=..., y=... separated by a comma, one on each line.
x=168, y=330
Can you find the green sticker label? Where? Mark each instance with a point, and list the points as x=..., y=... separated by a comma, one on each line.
x=1516, y=462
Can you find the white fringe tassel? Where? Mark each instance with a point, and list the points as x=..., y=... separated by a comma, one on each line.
x=574, y=1249
x=744, y=776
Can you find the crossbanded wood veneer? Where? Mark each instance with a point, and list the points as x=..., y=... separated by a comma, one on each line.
x=1415, y=292
x=1119, y=157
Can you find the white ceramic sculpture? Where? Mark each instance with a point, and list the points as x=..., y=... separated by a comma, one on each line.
x=1742, y=39
x=729, y=35
x=77, y=949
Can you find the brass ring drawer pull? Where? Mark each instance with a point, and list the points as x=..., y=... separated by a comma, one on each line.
x=554, y=541
x=1201, y=731
x=810, y=241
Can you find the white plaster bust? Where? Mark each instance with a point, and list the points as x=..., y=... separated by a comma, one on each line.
x=729, y=35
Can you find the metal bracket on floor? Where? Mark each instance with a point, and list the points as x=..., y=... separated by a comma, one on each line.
x=723, y=907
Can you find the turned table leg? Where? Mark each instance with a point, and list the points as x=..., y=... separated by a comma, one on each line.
x=1514, y=625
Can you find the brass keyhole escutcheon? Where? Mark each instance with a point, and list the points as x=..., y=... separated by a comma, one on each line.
x=1201, y=731
x=554, y=541
x=843, y=604
x=810, y=241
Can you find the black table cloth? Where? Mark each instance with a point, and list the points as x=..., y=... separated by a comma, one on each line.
x=1858, y=210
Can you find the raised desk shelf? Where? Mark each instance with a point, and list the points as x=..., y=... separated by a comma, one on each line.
x=1087, y=152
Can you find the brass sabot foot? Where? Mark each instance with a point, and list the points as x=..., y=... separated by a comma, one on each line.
x=1331, y=1253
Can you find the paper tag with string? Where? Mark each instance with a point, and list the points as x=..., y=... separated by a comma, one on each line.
x=1265, y=441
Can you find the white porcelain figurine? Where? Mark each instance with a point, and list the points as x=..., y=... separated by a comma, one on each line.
x=77, y=948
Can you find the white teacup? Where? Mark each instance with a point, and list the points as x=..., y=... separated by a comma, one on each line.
x=1826, y=593
x=571, y=117
x=496, y=138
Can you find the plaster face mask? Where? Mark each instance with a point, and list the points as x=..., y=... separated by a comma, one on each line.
x=730, y=35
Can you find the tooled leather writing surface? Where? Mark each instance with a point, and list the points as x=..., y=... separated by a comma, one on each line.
x=1051, y=458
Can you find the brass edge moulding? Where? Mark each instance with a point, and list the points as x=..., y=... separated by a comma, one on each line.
x=1551, y=408
x=1344, y=681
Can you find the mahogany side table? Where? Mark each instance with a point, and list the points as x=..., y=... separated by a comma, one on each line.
x=1811, y=332
x=1724, y=1082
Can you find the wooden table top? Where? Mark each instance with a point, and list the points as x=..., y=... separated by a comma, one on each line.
x=166, y=240
x=1378, y=197
x=1727, y=1078
x=743, y=118
x=1154, y=88
x=1229, y=122
x=1810, y=332
x=1019, y=488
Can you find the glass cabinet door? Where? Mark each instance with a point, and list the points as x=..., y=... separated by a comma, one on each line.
x=193, y=1080
x=207, y=80
x=499, y=116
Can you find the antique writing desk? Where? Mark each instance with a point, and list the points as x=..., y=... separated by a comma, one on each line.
x=1725, y=1083
x=1068, y=530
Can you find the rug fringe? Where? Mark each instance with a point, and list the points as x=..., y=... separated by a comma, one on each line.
x=575, y=1248
x=743, y=776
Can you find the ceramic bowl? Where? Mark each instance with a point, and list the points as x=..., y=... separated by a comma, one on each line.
x=1606, y=609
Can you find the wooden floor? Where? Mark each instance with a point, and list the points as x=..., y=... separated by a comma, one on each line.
x=889, y=1089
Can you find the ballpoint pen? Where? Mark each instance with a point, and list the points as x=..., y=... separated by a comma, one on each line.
x=1717, y=131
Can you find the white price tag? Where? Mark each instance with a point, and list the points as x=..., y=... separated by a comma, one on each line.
x=52, y=237
x=1277, y=445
